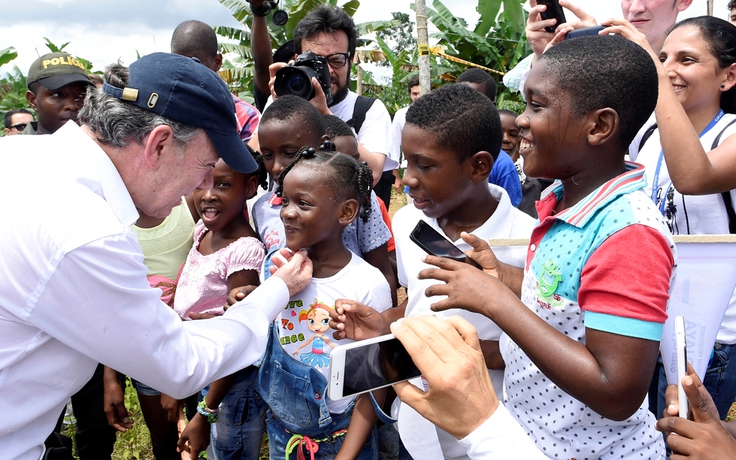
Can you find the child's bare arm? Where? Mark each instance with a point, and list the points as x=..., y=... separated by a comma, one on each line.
x=356, y=321
x=196, y=436
x=361, y=423
x=609, y=372
x=242, y=278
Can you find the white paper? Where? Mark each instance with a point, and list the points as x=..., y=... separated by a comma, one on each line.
x=704, y=285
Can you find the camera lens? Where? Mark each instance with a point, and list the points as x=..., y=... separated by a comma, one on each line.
x=298, y=85
x=296, y=81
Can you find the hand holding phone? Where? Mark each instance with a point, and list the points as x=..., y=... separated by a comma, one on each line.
x=681, y=350
x=368, y=365
x=435, y=244
x=553, y=11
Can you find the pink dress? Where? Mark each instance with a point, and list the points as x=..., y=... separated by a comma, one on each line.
x=202, y=287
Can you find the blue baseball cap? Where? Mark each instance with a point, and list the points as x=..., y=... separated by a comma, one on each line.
x=184, y=90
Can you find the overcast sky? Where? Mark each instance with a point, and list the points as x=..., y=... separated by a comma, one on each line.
x=104, y=31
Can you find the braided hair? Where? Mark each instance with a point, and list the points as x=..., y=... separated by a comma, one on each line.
x=260, y=173
x=347, y=178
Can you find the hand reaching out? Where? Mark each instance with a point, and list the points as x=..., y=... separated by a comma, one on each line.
x=703, y=437
x=356, y=321
x=195, y=438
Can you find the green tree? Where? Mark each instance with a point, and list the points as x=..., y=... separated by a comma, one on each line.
x=238, y=70
x=497, y=41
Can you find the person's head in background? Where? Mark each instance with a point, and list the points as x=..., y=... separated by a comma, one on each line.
x=96, y=80
x=330, y=32
x=653, y=18
x=16, y=121
x=705, y=81
x=414, y=87
x=57, y=85
x=287, y=125
x=197, y=39
x=480, y=81
x=510, y=131
x=732, y=12
x=342, y=136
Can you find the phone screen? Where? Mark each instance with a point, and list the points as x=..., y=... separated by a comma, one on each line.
x=377, y=365
x=435, y=244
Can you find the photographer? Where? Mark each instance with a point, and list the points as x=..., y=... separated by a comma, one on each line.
x=330, y=32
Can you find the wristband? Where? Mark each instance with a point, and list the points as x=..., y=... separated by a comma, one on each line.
x=210, y=414
x=261, y=11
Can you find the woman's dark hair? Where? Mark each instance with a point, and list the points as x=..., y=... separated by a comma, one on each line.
x=347, y=178
x=721, y=38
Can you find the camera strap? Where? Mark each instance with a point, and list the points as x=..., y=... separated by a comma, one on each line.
x=360, y=109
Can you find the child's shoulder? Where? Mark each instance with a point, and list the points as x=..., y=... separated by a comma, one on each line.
x=369, y=284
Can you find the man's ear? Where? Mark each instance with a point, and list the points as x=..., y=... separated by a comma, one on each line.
x=480, y=166
x=682, y=5
x=348, y=211
x=158, y=145
x=31, y=98
x=602, y=125
x=218, y=62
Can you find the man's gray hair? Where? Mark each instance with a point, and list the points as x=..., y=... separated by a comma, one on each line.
x=116, y=123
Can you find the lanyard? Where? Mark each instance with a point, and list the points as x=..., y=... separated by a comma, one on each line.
x=655, y=180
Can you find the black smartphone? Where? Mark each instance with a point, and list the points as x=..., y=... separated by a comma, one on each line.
x=554, y=10
x=435, y=244
x=588, y=31
x=367, y=365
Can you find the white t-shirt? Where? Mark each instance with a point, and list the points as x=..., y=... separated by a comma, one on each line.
x=506, y=222
x=375, y=133
x=689, y=214
x=359, y=281
x=397, y=127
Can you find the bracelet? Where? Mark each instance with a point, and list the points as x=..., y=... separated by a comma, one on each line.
x=210, y=414
x=261, y=11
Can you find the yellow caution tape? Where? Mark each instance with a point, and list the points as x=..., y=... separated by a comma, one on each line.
x=440, y=51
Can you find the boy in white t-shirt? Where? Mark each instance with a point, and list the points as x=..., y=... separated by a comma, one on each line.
x=451, y=139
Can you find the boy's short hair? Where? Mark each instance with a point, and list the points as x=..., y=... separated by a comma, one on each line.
x=731, y=4
x=328, y=19
x=460, y=118
x=609, y=71
x=511, y=112
x=335, y=127
x=482, y=78
x=299, y=110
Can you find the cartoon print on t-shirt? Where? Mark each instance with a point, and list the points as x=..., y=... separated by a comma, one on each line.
x=318, y=321
x=547, y=285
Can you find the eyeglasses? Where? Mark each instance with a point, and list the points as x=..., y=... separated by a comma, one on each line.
x=337, y=60
x=19, y=126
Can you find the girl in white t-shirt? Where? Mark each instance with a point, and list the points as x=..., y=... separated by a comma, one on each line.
x=322, y=193
x=690, y=156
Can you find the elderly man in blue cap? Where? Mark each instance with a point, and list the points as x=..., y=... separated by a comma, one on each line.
x=152, y=134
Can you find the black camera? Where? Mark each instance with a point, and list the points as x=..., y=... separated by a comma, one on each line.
x=296, y=78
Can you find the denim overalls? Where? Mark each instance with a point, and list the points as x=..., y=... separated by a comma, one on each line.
x=238, y=433
x=298, y=421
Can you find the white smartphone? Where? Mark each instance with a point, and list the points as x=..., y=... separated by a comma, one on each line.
x=368, y=365
x=681, y=350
